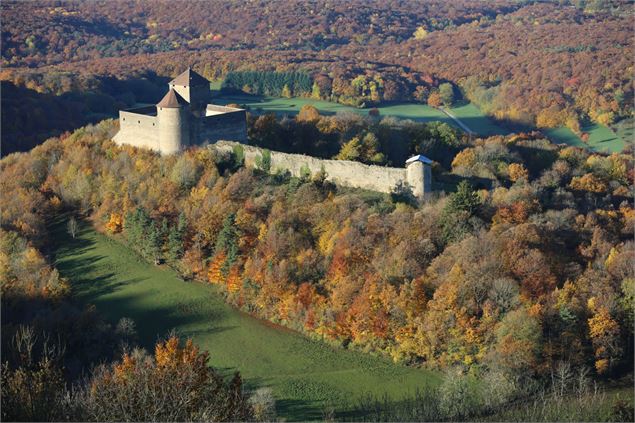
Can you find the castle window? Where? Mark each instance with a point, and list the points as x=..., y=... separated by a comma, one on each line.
x=124, y=118
x=152, y=124
x=138, y=121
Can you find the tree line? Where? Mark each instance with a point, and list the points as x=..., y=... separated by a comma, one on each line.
x=279, y=84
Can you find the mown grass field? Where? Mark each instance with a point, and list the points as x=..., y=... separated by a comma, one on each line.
x=472, y=116
x=601, y=138
x=625, y=129
x=305, y=375
x=468, y=114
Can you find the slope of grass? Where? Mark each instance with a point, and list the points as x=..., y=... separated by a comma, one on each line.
x=478, y=122
x=625, y=130
x=601, y=138
x=304, y=374
x=469, y=114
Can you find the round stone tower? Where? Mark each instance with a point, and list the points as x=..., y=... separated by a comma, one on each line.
x=173, y=123
x=419, y=175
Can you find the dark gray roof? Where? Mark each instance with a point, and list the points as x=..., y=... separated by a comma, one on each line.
x=189, y=78
x=171, y=100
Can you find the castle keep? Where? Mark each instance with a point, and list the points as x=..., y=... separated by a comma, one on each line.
x=181, y=119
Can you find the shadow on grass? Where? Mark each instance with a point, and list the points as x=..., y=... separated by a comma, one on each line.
x=300, y=410
x=607, y=140
x=96, y=280
x=121, y=286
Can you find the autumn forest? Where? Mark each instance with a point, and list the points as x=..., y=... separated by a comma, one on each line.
x=509, y=291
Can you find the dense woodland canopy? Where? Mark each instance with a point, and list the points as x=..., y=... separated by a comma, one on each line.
x=58, y=29
x=538, y=267
x=521, y=260
x=524, y=63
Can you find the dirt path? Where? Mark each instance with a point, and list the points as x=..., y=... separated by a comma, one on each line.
x=458, y=122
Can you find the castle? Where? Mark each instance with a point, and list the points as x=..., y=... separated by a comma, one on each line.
x=181, y=119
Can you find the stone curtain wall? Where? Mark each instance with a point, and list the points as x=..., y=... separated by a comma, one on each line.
x=138, y=130
x=341, y=172
x=228, y=126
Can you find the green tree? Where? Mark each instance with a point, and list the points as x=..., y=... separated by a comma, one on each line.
x=446, y=92
x=136, y=226
x=165, y=228
x=458, y=217
x=153, y=244
x=227, y=242
x=370, y=149
x=175, y=247
x=365, y=149
x=238, y=156
x=464, y=199
x=263, y=162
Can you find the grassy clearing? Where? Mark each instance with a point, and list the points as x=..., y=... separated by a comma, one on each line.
x=601, y=138
x=469, y=113
x=472, y=116
x=304, y=374
x=625, y=130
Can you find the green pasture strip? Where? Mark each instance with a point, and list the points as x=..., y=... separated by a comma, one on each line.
x=601, y=138
x=305, y=374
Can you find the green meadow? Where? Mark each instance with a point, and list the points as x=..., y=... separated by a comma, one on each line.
x=469, y=114
x=601, y=138
x=478, y=122
x=305, y=375
x=625, y=129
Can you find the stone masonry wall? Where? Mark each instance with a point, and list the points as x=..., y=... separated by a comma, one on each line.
x=227, y=126
x=138, y=130
x=341, y=172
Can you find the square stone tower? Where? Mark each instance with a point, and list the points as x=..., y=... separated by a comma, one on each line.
x=194, y=89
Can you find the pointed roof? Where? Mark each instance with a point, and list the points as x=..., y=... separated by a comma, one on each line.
x=171, y=100
x=419, y=158
x=189, y=78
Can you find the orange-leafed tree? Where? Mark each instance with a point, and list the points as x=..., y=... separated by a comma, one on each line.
x=434, y=99
x=234, y=279
x=177, y=373
x=115, y=223
x=215, y=272
x=517, y=171
x=604, y=331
